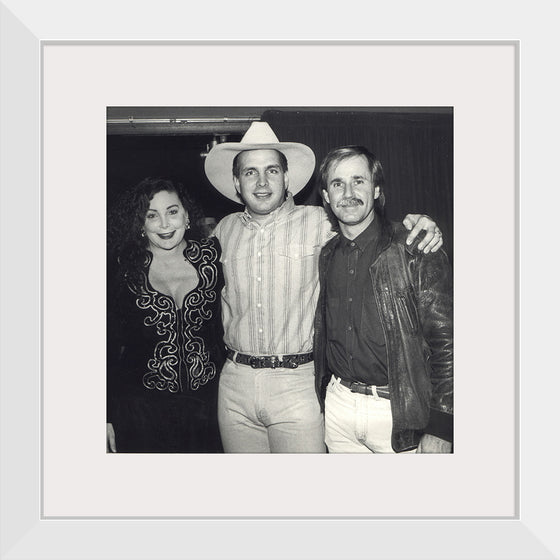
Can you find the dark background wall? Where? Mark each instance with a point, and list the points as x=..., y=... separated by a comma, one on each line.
x=415, y=146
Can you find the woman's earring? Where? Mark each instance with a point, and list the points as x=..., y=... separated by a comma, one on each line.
x=188, y=224
x=142, y=233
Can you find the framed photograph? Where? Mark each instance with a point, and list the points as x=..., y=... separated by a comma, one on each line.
x=66, y=497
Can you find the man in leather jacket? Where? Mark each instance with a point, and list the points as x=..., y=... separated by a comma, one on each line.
x=384, y=323
x=266, y=399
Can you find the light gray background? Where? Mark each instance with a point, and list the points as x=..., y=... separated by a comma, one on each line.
x=131, y=486
x=28, y=536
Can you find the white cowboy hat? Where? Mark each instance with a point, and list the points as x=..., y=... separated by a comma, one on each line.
x=259, y=136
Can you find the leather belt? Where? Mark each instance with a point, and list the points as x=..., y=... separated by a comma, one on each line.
x=287, y=361
x=364, y=389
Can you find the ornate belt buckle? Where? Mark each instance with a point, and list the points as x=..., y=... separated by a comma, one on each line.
x=274, y=362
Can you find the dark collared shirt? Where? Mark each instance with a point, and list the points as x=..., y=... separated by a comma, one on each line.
x=356, y=344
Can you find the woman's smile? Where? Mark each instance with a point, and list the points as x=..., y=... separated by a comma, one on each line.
x=165, y=221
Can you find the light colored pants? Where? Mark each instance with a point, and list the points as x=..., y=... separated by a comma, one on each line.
x=269, y=410
x=356, y=423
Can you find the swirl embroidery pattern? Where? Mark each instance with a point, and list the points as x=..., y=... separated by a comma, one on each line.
x=180, y=347
x=203, y=256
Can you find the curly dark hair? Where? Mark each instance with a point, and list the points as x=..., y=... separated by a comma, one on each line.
x=125, y=244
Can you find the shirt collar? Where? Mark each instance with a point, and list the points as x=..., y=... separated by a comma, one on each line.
x=286, y=208
x=369, y=235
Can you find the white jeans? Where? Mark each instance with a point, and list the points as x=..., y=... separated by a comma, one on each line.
x=356, y=423
x=269, y=410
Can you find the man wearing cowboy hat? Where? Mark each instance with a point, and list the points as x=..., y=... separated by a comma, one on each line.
x=267, y=400
x=384, y=322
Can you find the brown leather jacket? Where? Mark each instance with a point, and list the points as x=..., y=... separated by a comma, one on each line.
x=413, y=292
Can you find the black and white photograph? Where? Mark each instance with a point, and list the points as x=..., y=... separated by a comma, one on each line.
x=279, y=280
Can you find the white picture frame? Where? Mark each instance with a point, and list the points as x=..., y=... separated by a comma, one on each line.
x=524, y=528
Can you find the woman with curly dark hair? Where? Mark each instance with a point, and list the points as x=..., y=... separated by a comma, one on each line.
x=165, y=342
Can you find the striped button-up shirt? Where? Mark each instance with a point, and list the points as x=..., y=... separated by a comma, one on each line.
x=271, y=278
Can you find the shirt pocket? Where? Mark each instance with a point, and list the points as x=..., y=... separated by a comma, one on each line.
x=297, y=251
x=333, y=323
x=370, y=321
x=243, y=253
x=237, y=268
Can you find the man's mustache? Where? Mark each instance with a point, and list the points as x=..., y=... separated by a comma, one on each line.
x=352, y=201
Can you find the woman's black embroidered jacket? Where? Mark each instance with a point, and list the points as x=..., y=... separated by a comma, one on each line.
x=155, y=348
x=413, y=292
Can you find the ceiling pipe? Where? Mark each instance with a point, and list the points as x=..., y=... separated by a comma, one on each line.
x=131, y=120
x=180, y=126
